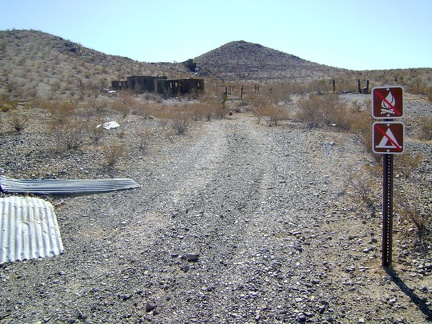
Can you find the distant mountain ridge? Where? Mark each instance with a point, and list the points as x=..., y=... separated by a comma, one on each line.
x=250, y=61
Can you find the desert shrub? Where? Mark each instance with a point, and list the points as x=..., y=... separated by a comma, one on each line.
x=201, y=110
x=407, y=162
x=126, y=103
x=96, y=131
x=276, y=91
x=94, y=106
x=29, y=91
x=361, y=126
x=425, y=131
x=143, y=140
x=121, y=107
x=212, y=106
x=417, y=86
x=55, y=85
x=264, y=109
x=6, y=105
x=271, y=114
x=361, y=184
x=112, y=154
x=180, y=125
x=97, y=134
x=61, y=111
x=323, y=110
x=70, y=135
x=19, y=121
x=310, y=111
x=412, y=212
x=219, y=112
x=42, y=104
x=429, y=93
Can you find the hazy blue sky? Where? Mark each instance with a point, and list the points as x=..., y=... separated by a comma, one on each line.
x=361, y=34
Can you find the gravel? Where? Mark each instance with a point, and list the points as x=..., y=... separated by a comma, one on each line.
x=235, y=222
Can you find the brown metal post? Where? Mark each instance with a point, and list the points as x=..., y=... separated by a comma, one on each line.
x=387, y=237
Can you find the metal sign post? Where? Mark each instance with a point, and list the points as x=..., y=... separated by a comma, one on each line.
x=387, y=237
x=388, y=139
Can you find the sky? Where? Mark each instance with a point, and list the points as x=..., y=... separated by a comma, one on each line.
x=356, y=35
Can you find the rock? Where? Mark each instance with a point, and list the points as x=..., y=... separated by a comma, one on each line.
x=192, y=257
x=150, y=306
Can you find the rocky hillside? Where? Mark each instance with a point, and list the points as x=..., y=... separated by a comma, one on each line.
x=248, y=61
x=36, y=64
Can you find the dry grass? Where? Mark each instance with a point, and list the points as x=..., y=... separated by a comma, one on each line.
x=6, y=105
x=113, y=153
x=143, y=137
x=406, y=163
x=319, y=111
x=416, y=218
x=19, y=121
x=71, y=134
x=271, y=114
x=425, y=131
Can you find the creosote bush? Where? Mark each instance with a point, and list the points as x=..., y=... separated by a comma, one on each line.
x=271, y=114
x=70, y=135
x=319, y=111
x=143, y=140
x=180, y=125
x=19, y=121
x=61, y=111
x=264, y=109
x=112, y=154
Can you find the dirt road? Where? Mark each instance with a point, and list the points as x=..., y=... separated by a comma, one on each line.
x=236, y=222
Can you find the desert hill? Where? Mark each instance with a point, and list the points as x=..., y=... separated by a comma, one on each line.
x=37, y=64
x=249, y=61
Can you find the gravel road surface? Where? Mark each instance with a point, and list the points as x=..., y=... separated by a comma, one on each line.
x=235, y=222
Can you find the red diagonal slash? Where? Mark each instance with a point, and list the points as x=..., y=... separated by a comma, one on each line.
x=382, y=98
x=388, y=137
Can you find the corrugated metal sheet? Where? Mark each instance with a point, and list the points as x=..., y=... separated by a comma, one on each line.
x=56, y=186
x=29, y=229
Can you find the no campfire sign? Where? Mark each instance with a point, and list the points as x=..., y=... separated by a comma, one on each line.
x=388, y=137
x=387, y=102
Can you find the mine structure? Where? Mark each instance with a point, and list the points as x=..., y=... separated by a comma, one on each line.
x=159, y=84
